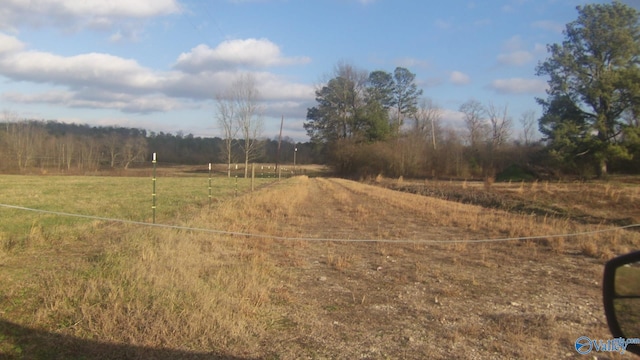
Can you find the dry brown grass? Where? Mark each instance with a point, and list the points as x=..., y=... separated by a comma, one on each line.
x=182, y=287
x=232, y=295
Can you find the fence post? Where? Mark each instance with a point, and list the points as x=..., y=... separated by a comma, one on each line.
x=236, y=186
x=153, y=194
x=253, y=175
x=209, y=185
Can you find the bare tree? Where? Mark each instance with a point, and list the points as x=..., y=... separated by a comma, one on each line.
x=528, y=122
x=427, y=120
x=420, y=141
x=475, y=122
x=248, y=116
x=113, y=145
x=500, y=124
x=226, y=120
x=499, y=132
x=135, y=149
x=452, y=153
x=21, y=139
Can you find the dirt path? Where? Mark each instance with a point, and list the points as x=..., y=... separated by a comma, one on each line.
x=417, y=301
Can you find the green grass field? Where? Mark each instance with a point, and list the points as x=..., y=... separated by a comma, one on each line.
x=127, y=198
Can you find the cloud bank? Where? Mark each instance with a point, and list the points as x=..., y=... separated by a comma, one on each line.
x=77, y=14
x=99, y=80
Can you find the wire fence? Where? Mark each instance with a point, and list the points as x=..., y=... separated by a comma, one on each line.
x=310, y=239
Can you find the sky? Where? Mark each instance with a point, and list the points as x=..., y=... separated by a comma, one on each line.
x=158, y=64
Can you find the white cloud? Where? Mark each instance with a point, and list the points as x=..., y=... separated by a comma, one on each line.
x=117, y=101
x=253, y=53
x=459, y=78
x=452, y=118
x=97, y=80
x=515, y=58
x=273, y=87
x=117, y=8
x=206, y=85
x=518, y=86
x=514, y=53
x=84, y=70
x=70, y=14
x=9, y=44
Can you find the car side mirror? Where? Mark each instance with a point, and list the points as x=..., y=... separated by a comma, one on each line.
x=621, y=297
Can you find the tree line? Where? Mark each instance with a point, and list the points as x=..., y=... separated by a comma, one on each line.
x=51, y=145
x=71, y=148
x=370, y=123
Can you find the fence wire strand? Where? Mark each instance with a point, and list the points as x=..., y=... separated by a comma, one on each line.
x=310, y=239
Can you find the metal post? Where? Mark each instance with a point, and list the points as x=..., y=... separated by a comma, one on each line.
x=153, y=194
x=236, y=186
x=209, y=185
x=295, y=151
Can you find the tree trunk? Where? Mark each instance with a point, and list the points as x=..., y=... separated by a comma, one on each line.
x=246, y=164
x=601, y=169
x=228, y=163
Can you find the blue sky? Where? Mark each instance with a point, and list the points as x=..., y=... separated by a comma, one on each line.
x=157, y=64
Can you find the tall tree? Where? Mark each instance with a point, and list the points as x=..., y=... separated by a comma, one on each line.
x=596, y=69
x=565, y=127
x=405, y=95
x=381, y=89
x=341, y=106
x=379, y=100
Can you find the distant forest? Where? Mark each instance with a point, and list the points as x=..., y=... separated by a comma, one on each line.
x=49, y=146
x=54, y=146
